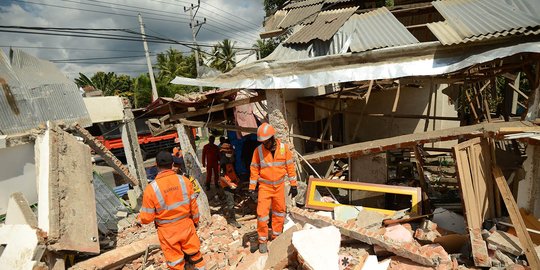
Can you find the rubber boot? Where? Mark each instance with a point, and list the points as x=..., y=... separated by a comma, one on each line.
x=263, y=248
x=232, y=219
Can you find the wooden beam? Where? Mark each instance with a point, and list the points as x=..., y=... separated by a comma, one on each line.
x=219, y=107
x=396, y=100
x=307, y=138
x=368, y=94
x=518, y=91
x=517, y=220
x=217, y=125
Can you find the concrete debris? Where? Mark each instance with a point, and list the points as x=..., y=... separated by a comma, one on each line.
x=427, y=231
x=19, y=212
x=398, y=233
x=21, y=246
x=318, y=248
x=346, y=212
x=373, y=264
x=368, y=219
x=505, y=242
x=67, y=211
x=429, y=255
x=281, y=250
x=449, y=220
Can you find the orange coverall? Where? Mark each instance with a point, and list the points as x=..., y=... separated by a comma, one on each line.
x=171, y=204
x=270, y=170
x=210, y=158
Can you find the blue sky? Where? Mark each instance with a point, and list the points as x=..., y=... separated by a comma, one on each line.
x=238, y=20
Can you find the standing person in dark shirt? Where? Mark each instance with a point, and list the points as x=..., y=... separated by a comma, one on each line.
x=210, y=160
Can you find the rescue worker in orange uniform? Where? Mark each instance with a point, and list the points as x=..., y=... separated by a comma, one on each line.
x=271, y=166
x=171, y=204
x=228, y=182
x=210, y=160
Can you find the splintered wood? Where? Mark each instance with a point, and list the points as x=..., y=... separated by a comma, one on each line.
x=473, y=162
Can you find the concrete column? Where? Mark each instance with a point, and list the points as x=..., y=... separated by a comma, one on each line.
x=131, y=146
x=276, y=114
x=194, y=167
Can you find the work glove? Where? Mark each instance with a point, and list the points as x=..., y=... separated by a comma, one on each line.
x=253, y=195
x=293, y=191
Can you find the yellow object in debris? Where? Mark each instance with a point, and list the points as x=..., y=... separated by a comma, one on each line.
x=195, y=184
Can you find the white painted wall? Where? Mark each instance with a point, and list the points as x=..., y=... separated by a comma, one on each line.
x=104, y=109
x=17, y=174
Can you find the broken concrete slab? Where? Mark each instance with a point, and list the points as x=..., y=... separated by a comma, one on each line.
x=369, y=219
x=118, y=257
x=19, y=212
x=373, y=264
x=67, y=207
x=427, y=231
x=281, y=249
x=399, y=263
x=505, y=242
x=21, y=244
x=398, y=233
x=429, y=255
x=346, y=212
x=449, y=220
x=318, y=248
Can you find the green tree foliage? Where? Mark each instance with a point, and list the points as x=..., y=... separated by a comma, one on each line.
x=223, y=56
x=270, y=6
x=265, y=47
x=109, y=83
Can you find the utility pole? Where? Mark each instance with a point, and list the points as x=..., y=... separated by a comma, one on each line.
x=148, y=62
x=195, y=27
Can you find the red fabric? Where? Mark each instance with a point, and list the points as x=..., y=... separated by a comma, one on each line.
x=230, y=179
x=212, y=170
x=210, y=155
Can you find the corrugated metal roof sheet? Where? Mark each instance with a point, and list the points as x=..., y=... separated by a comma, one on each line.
x=305, y=3
x=471, y=18
x=36, y=92
x=448, y=36
x=531, y=7
x=336, y=1
x=376, y=29
x=303, y=15
x=273, y=22
x=324, y=27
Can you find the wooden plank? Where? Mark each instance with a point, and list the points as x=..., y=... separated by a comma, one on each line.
x=396, y=100
x=467, y=164
x=471, y=105
x=517, y=220
x=518, y=91
x=422, y=178
x=219, y=107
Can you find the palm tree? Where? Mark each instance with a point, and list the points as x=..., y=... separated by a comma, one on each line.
x=265, y=47
x=224, y=56
x=173, y=63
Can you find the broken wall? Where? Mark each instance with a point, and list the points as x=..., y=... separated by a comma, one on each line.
x=529, y=188
x=18, y=174
x=412, y=101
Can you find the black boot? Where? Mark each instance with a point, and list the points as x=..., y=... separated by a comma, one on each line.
x=263, y=248
x=231, y=218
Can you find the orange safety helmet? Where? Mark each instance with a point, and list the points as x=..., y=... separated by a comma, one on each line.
x=265, y=132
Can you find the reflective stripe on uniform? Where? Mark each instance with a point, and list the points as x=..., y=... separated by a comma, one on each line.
x=252, y=182
x=175, y=263
x=263, y=238
x=194, y=196
x=290, y=161
x=175, y=205
x=272, y=182
x=276, y=233
x=200, y=268
x=279, y=214
x=292, y=178
x=197, y=215
x=147, y=210
x=256, y=165
x=165, y=221
x=263, y=219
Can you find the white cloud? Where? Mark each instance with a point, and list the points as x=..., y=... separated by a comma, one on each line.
x=238, y=20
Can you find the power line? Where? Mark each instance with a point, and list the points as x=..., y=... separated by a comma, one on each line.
x=220, y=22
x=65, y=48
x=98, y=58
x=120, y=14
x=99, y=63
